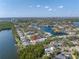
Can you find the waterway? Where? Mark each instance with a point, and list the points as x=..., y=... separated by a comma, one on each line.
x=49, y=29
x=76, y=24
x=7, y=45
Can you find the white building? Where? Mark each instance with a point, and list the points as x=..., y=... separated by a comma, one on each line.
x=49, y=50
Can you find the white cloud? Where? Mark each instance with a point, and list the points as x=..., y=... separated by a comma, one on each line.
x=46, y=7
x=50, y=9
x=38, y=6
x=61, y=6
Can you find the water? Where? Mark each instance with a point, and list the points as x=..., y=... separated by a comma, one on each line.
x=7, y=45
x=47, y=29
x=50, y=30
x=76, y=23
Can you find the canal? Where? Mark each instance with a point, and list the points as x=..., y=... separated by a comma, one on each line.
x=7, y=45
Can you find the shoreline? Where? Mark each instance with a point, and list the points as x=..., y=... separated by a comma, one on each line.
x=5, y=29
x=18, y=44
x=10, y=26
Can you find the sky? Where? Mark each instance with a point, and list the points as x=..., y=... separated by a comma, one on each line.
x=39, y=8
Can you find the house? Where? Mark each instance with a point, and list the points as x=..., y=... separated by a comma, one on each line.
x=77, y=48
x=33, y=42
x=57, y=44
x=60, y=56
x=41, y=40
x=47, y=34
x=25, y=43
x=49, y=50
x=36, y=39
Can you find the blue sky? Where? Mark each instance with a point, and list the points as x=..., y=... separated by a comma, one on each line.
x=39, y=8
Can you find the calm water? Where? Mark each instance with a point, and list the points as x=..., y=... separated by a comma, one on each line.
x=50, y=30
x=7, y=47
x=76, y=24
x=47, y=29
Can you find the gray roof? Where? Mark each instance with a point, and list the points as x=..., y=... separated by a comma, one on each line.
x=60, y=56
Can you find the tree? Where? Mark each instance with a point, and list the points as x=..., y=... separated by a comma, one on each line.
x=32, y=52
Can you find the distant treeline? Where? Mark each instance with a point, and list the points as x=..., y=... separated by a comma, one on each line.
x=21, y=19
x=47, y=19
x=5, y=25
